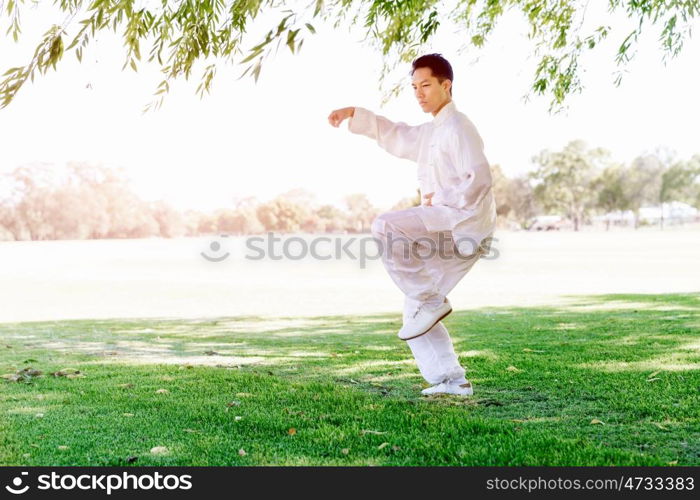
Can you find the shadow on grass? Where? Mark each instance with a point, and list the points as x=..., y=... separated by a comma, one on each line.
x=609, y=379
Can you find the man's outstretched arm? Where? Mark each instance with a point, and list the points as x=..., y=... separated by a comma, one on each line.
x=397, y=138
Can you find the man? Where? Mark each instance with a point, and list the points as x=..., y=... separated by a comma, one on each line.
x=455, y=221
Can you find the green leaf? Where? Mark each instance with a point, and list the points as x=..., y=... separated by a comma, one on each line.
x=12, y=70
x=319, y=6
x=252, y=56
x=291, y=34
x=256, y=70
x=73, y=43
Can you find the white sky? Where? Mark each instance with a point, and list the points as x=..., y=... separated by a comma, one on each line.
x=246, y=139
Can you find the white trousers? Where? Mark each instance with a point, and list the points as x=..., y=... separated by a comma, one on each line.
x=426, y=266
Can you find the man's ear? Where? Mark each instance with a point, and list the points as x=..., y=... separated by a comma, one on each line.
x=447, y=85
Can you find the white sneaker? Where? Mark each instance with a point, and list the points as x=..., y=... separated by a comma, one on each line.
x=424, y=319
x=450, y=388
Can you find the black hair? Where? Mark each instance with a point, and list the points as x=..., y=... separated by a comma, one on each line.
x=439, y=66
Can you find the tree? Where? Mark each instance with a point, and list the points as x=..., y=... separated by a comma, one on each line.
x=70, y=216
x=642, y=183
x=282, y=215
x=191, y=220
x=170, y=221
x=239, y=221
x=11, y=223
x=304, y=199
x=677, y=183
x=611, y=190
x=183, y=33
x=361, y=211
x=501, y=185
x=565, y=179
x=693, y=195
x=331, y=219
x=77, y=201
x=242, y=219
x=408, y=202
x=128, y=216
x=515, y=199
x=27, y=201
x=520, y=198
x=207, y=224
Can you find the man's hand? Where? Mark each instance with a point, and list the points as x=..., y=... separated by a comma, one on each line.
x=336, y=117
x=428, y=199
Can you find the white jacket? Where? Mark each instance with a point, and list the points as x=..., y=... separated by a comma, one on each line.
x=451, y=163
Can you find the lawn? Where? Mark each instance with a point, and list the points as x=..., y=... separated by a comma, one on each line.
x=607, y=380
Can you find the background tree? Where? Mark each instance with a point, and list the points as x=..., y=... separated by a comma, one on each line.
x=242, y=219
x=677, y=183
x=77, y=201
x=642, y=183
x=28, y=199
x=91, y=178
x=10, y=227
x=693, y=194
x=191, y=220
x=178, y=34
x=565, y=179
x=207, y=224
x=501, y=185
x=281, y=214
x=610, y=189
x=408, y=202
x=520, y=198
x=331, y=219
x=306, y=200
x=361, y=212
x=515, y=200
x=129, y=216
x=170, y=222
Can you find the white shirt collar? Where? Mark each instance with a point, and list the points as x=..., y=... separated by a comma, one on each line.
x=444, y=113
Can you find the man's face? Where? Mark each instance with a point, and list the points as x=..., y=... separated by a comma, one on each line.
x=430, y=93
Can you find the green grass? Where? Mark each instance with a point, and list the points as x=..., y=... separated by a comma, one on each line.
x=541, y=376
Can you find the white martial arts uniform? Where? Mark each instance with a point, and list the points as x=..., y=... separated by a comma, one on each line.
x=452, y=165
